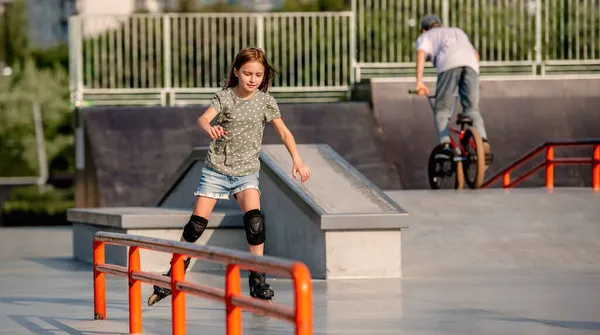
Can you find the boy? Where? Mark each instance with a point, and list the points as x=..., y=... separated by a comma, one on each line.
x=457, y=64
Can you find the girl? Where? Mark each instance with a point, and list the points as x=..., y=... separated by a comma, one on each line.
x=239, y=111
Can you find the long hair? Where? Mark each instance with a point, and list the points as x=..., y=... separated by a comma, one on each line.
x=249, y=55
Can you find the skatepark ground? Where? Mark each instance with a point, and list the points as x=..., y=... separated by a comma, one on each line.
x=44, y=291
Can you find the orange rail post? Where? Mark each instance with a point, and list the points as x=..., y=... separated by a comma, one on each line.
x=135, y=292
x=550, y=166
x=99, y=282
x=178, y=300
x=303, y=299
x=233, y=287
x=506, y=180
x=596, y=168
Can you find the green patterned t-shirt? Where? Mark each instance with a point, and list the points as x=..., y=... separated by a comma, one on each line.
x=236, y=153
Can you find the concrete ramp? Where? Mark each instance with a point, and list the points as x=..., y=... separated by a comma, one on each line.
x=476, y=232
x=519, y=115
x=130, y=152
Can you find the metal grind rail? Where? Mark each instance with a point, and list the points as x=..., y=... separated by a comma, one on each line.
x=550, y=162
x=301, y=315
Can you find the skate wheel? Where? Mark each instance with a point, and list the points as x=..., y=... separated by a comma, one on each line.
x=152, y=299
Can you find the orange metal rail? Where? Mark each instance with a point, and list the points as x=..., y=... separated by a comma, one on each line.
x=550, y=162
x=300, y=316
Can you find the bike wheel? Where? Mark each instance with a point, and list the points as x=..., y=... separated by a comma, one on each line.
x=444, y=173
x=474, y=158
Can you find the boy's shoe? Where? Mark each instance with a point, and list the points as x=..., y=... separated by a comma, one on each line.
x=446, y=152
x=487, y=150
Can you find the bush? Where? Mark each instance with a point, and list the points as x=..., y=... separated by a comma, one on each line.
x=28, y=206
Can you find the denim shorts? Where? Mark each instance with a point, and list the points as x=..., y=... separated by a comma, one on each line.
x=218, y=186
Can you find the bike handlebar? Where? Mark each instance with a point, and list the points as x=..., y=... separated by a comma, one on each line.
x=416, y=92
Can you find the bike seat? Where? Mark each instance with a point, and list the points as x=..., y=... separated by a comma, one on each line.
x=463, y=119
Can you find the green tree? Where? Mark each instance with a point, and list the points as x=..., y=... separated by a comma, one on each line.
x=299, y=6
x=15, y=41
x=315, y=5
x=49, y=89
x=187, y=6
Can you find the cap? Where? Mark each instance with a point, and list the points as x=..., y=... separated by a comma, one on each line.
x=430, y=20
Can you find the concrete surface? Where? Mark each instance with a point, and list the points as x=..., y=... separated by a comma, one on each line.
x=43, y=291
x=456, y=233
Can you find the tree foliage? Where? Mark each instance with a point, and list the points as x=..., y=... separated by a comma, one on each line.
x=26, y=87
x=15, y=42
x=37, y=78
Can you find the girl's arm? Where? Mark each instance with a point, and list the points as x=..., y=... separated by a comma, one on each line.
x=204, y=124
x=288, y=140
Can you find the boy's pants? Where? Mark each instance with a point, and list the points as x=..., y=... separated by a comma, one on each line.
x=467, y=81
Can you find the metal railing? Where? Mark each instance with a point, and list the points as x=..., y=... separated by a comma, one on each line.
x=190, y=54
x=301, y=316
x=171, y=59
x=532, y=37
x=550, y=162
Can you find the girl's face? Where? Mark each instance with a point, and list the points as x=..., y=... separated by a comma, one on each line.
x=250, y=75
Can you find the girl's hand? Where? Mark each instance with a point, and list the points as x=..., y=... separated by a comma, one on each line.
x=302, y=169
x=216, y=132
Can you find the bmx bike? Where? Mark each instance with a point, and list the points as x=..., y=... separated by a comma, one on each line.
x=467, y=162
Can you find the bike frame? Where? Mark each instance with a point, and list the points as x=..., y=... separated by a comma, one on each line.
x=459, y=132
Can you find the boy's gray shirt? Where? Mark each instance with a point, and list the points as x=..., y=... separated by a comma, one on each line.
x=448, y=48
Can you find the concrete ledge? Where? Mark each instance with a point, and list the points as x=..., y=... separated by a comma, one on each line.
x=225, y=229
x=338, y=223
x=150, y=217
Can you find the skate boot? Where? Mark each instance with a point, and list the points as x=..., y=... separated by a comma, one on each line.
x=160, y=292
x=259, y=287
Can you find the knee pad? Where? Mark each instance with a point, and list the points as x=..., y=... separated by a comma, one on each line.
x=255, y=227
x=194, y=228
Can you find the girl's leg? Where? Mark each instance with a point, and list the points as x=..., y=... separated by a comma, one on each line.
x=212, y=186
x=202, y=209
x=249, y=201
x=192, y=231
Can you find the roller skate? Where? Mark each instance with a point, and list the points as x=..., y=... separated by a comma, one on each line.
x=160, y=292
x=259, y=287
